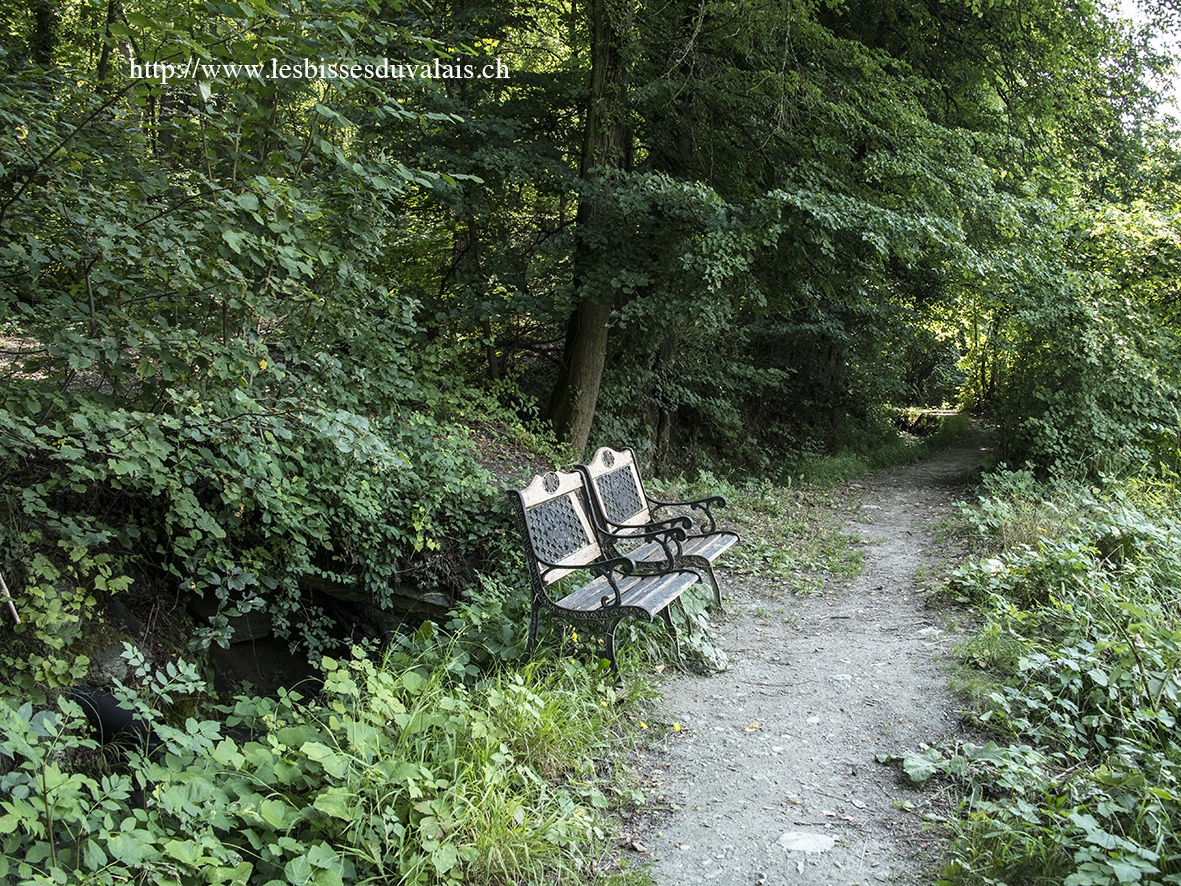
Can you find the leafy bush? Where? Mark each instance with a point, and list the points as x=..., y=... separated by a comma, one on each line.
x=1082, y=640
x=1081, y=376
x=212, y=381
x=399, y=772
x=241, y=503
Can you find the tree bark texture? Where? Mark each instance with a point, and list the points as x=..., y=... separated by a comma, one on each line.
x=605, y=143
x=43, y=40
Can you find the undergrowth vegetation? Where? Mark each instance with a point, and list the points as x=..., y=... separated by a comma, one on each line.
x=1075, y=683
x=792, y=525
x=790, y=533
x=887, y=449
x=414, y=766
x=442, y=758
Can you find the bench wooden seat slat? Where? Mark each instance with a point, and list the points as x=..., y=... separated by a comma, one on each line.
x=650, y=593
x=709, y=547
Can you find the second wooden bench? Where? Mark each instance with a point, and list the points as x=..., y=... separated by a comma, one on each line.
x=623, y=507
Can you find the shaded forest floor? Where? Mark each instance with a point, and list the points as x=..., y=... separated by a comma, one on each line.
x=770, y=773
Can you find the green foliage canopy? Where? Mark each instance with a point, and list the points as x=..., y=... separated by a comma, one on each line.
x=246, y=319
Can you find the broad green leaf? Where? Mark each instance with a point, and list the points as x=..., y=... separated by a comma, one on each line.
x=276, y=813
x=234, y=239
x=130, y=847
x=299, y=871
x=322, y=855
x=334, y=763
x=920, y=767
x=445, y=858
x=413, y=681
x=185, y=851
x=337, y=802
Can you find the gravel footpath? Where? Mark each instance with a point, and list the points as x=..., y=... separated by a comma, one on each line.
x=769, y=776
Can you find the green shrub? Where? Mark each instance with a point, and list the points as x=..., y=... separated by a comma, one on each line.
x=242, y=504
x=396, y=773
x=1082, y=644
x=1087, y=388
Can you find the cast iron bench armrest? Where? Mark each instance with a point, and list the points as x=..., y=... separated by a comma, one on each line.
x=669, y=537
x=626, y=566
x=675, y=530
x=681, y=521
x=700, y=504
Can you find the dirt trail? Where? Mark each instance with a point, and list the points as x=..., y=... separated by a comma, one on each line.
x=772, y=778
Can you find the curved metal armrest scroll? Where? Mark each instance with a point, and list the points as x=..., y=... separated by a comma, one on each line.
x=668, y=534
x=707, y=526
x=626, y=566
x=622, y=565
x=681, y=521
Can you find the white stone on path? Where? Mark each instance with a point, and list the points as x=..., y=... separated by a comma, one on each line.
x=797, y=841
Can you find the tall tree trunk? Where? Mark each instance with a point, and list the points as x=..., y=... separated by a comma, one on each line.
x=662, y=426
x=43, y=39
x=104, y=56
x=471, y=273
x=605, y=143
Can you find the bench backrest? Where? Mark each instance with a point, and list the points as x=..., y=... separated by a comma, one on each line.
x=618, y=491
x=556, y=525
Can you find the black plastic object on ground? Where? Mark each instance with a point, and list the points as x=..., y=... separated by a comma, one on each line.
x=110, y=720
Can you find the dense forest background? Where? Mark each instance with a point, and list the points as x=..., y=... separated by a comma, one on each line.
x=262, y=335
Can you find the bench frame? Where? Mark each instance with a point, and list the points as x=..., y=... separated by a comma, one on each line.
x=624, y=512
x=561, y=537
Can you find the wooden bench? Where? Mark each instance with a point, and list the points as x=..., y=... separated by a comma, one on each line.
x=561, y=539
x=624, y=509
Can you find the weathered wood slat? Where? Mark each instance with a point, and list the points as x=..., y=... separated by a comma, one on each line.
x=710, y=547
x=650, y=593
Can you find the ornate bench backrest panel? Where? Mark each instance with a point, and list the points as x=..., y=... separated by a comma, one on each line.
x=617, y=485
x=558, y=525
